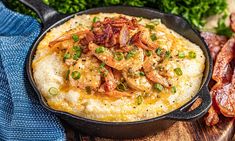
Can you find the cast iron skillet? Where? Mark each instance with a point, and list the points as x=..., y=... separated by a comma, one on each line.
x=50, y=18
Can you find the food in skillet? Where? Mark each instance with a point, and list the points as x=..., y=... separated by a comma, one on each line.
x=223, y=77
x=114, y=67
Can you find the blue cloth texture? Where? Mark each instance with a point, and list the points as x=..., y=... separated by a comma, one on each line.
x=21, y=115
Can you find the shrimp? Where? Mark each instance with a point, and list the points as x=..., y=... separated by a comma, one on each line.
x=137, y=82
x=152, y=73
x=89, y=74
x=107, y=56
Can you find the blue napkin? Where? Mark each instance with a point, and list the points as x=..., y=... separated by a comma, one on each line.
x=21, y=115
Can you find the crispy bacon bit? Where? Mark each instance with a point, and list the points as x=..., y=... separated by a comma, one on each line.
x=89, y=37
x=232, y=21
x=223, y=92
x=124, y=36
x=214, y=42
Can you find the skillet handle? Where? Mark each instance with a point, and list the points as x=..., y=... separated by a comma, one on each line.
x=198, y=112
x=48, y=15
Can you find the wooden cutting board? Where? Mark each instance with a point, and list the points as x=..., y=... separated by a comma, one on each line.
x=180, y=131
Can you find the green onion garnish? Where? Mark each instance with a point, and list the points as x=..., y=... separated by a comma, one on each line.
x=150, y=26
x=153, y=37
x=167, y=54
x=178, y=71
x=121, y=87
x=173, y=89
x=102, y=65
x=75, y=37
x=67, y=56
x=77, y=55
x=158, y=51
x=67, y=75
x=95, y=19
x=181, y=55
x=118, y=56
x=77, y=48
x=130, y=54
x=148, y=53
x=99, y=49
x=76, y=75
x=142, y=73
x=53, y=91
x=139, y=99
x=192, y=55
x=158, y=87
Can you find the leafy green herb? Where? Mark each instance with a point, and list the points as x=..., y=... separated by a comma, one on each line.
x=158, y=87
x=76, y=75
x=53, y=91
x=221, y=28
x=99, y=49
x=178, y=71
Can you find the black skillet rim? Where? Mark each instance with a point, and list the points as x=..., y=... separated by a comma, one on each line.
x=32, y=52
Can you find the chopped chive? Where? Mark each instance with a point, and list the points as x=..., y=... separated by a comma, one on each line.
x=53, y=91
x=178, y=71
x=181, y=55
x=158, y=51
x=95, y=19
x=102, y=65
x=88, y=89
x=142, y=73
x=99, y=49
x=118, y=56
x=66, y=56
x=67, y=75
x=173, y=89
x=76, y=75
x=76, y=55
x=75, y=37
x=121, y=87
x=150, y=26
x=148, y=53
x=77, y=48
x=130, y=54
x=167, y=54
x=139, y=99
x=192, y=55
x=158, y=87
x=153, y=37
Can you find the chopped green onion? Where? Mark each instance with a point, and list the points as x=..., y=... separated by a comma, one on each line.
x=178, y=71
x=121, y=87
x=67, y=75
x=130, y=54
x=66, y=56
x=102, y=65
x=142, y=73
x=88, y=89
x=95, y=19
x=77, y=55
x=148, y=53
x=99, y=49
x=76, y=75
x=158, y=51
x=150, y=26
x=139, y=99
x=167, y=54
x=75, y=37
x=53, y=91
x=181, y=55
x=118, y=56
x=173, y=89
x=192, y=55
x=77, y=48
x=153, y=37
x=158, y=87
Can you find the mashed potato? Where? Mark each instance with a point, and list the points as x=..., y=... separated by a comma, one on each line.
x=183, y=71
